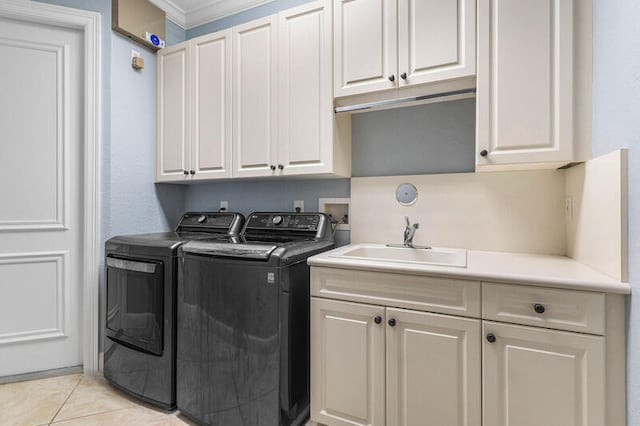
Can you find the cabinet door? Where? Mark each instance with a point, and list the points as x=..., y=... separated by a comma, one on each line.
x=347, y=363
x=365, y=46
x=536, y=377
x=172, y=149
x=254, y=98
x=436, y=40
x=211, y=105
x=525, y=82
x=305, y=111
x=433, y=370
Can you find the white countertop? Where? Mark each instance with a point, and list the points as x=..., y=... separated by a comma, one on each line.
x=516, y=268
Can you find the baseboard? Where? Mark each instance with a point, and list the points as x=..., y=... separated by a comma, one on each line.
x=41, y=374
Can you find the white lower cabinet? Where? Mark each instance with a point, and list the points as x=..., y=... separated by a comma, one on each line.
x=433, y=369
x=347, y=363
x=536, y=377
x=516, y=355
x=430, y=364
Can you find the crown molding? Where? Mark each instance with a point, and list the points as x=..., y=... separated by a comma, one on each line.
x=174, y=13
x=217, y=9
x=208, y=12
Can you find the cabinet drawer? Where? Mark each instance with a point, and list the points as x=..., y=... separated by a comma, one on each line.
x=442, y=295
x=580, y=311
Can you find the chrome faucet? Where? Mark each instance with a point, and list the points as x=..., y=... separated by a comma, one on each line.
x=409, y=232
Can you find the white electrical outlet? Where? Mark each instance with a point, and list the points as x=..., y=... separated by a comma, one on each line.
x=224, y=206
x=298, y=206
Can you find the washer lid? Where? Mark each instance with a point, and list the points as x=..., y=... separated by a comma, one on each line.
x=243, y=250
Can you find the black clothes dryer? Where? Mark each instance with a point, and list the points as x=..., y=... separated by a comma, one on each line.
x=140, y=332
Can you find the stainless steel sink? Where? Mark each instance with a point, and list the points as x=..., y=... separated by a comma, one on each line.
x=433, y=256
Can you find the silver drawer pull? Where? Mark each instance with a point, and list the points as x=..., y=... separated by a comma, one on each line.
x=131, y=265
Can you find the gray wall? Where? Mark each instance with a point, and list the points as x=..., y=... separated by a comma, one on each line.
x=616, y=107
x=174, y=33
x=247, y=197
x=135, y=203
x=433, y=138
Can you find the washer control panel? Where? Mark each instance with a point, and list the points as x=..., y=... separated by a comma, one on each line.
x=227, y=222
x=302, y=222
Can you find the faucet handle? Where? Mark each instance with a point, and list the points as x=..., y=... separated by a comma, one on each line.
x=409, y=225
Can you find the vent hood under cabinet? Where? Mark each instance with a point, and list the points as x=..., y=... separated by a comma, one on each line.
x=426, y=94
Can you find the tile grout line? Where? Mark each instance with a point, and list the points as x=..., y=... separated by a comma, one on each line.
x=91, y=415
x=66, y=399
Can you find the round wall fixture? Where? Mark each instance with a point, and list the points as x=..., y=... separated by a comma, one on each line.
x=406, y=194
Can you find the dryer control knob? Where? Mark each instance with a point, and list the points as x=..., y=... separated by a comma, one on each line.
x=202, y=219
x=277, y=220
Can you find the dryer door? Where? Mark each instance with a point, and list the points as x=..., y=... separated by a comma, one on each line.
x=135, y=302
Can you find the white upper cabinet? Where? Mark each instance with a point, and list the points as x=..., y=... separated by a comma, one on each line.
x=255, y=98
x=305, y=104
x=365, y=46
x=172, y=150
x=283, y=111
x=211, y=106
x=525, y=82
x=194, y=106
x=436, y=40
x=386, y=44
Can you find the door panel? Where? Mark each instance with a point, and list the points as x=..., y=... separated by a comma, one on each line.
x=347, y=363
x=538, y=377
x=43, y=144
x=436, y=40
x=135, y=300
x=305, y=101
x=173, y=112
x=525, y=81
x=41, y=175
x=365, y=46
x=433, y=370
x=254, y=94
x=211, y=105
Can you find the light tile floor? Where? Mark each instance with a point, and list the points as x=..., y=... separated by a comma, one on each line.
x=78, y=399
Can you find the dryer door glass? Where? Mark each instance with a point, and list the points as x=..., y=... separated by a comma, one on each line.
x=135, y=302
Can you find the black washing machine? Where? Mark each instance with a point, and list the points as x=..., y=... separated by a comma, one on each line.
x=243, y=322
x=140, y=332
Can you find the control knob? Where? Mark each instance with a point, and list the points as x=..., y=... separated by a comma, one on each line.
x=202, y=218
x=277, y=220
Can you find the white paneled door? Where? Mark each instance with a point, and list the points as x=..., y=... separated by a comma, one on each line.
x=42, y=144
